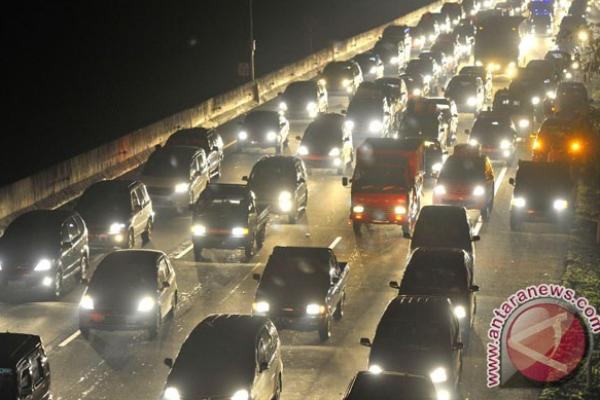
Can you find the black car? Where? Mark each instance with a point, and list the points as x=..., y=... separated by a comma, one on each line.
x=415, y=85
x=367, y=385
x=207, y=139
x=130, y=290
x=227, y=356
x=341, y=77
x=391, y=53
x=443, y=226
x=116, y=213
x=467, y=91
x=543, y=70
x=302, y=288
x=370, y=64
x=485, y=76
x=42, y=250
x=572, y=99
x=423, y=67
x=401, y=34
x=419, y=335
x=424, y=118
x=327, y=144
x=521, y=113
x=442, y=272
x=227, y=217
x=543, y=192
x=562, y=62
x=303, y=99
x=541, y=25
x=264, y=129
x=279, y=182
x=24, y=368
x=528, y=90
x=369, y=114
x=497, y=135
x=443, y=63
x=453, y=11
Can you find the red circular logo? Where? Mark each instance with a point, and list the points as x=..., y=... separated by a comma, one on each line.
x=547, y=342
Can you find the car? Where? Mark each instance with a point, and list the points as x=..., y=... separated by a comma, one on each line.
x=466, y=180
x=226, y=216
x=302, y=288
x=453, y=11
x=202, y=138
x=467, y=92
x=442, y=272
x=543, y=192
x=415, y=85
x=562, y=62
x=371, y=65
x=280, y=183
x=264, y=129
x=449, y=116
x=303, y=99
x=529, y=90
x=443, y=226
x=419, y=335
x=327, y=143
x=442, y=63
x=541, y=25
x=341, y=77
x=572, y=99
x=564, y=139
x=44, y=252
x=543, y=70
x=401, y=34
x=396, y=93
x=522, y=114
x=391, y=53
x=24, y=367
x=367, y=385
x=227, y=356
x=116, y=213
x=497, y=135
x=425, y=117
x=427, y=28
x=427, y=67
x=483, y=74
x=130, y=290
x=175, y=176
x=447, y=44
x=443, y=24
x=369, y=114
x=465, y=37
x=573, y=34
x=387, y=183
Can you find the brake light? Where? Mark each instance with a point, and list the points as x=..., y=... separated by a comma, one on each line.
x=575, y=146
x=537, y=144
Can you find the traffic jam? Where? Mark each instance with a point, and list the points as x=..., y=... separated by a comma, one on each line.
x=238, y=254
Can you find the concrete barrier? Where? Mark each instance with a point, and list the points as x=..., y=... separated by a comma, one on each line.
x=66, y=180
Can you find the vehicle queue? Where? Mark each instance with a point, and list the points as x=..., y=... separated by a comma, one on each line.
x=395, y=133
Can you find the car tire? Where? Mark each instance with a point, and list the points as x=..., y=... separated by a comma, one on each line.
x=198, y=253
x=356, y=228
x=173, y=307
x=260, y=237
x=279, y=149
x=153, y=330
x=249, y=249
x=85, y=333
x=325, y=330
x=515, y=224
x=58, y=289
x=147, y=234
x=278, y=388
x=83, y=267
x=131, y=239
x=339, y=309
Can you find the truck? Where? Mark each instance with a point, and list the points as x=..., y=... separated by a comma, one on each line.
x=387, y=184
x=497, y=42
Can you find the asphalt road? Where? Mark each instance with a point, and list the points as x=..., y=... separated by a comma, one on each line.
x=119, y=366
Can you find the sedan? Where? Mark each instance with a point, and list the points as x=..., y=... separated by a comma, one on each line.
x=264, y=129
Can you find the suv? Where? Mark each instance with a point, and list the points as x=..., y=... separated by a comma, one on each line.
x=24, y=368
x=202, y=138
x=341, y=77
x=117, y=213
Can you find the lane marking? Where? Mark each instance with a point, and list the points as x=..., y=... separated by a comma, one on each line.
x=335, y=242
x=68, y=340
x=183, y=252
x=234, y=141
x=236, y=287
x=499, y=180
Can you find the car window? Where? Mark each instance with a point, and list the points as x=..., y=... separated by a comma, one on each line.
x=139, y=192
x=25, y=382
x=69, y=230
x=163, y=275
x=37, y=371
x=135, y=200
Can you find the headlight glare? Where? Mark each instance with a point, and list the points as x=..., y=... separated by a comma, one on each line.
x=439, y=189
x=399, y=210
x=243, y=135
x=303, y=150
x=358, y=209
x=335, y=152
x=519, y=202
x=86, y=303
x=375, y=369
x=438, y=375
x=146, y=304
x=471, y=101
x=437, y=167
x=283, y=106
x=261, y=307
x=285, y=201
x=43, y=265
x=349, y=124
x=560, y=204
x=198, y=230
x=271, y=136
x=523, y=123
x=240, y=395
x=505, y=144
x=375, y=126
x=535, y=100
x=238, y=231
x=115, y=227
x=315, y=309
x=478, y=190
x=182, y=187
x=473, y=142
x=460, y=312
x=172, y=394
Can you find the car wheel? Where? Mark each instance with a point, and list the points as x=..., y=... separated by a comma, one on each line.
x=198, y=253
x=339, y=310
x=147, y=234
x=249, y=249
x=83, y=267
x=85, y=333
x=260, y=237
x=173, y=306
x=356, y=228
x=515, y=224
x=278, y=387
x=325, y=330
x=153, y=330
x=131, y=239
x=58, y=284
x=485, y=213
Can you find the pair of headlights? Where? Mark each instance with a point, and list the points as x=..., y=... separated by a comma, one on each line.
x=441, y=190
x=238, y=231
x=262, y=307
x=558, y=204
x=172, y=393
x=303, y=151
x=145, y=304
x=359, y=209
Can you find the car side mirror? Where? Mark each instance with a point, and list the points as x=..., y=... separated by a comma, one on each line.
x=406, y=235
x=298, y=138
x=166, y=285
x=168, y=362
x=245, y=178
x=365, y=342
x=394, y=285
x=511, y=181
x=215, y=148
x=256, y=277
x=263, y=366
x=345, y=181
x=476, y=238
x=474, y=288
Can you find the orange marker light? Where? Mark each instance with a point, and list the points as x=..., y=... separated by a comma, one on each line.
x=537, y=145
x=575, y=146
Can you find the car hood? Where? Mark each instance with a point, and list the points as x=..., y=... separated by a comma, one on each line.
x=211, y=383
x=101, y=220
x=416, y=361
x=27, y=253
x=287, y=296
x=226, y=218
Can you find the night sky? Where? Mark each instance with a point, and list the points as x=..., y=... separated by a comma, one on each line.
x=78, y=74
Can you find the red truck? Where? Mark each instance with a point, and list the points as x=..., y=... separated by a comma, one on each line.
x=387, y=183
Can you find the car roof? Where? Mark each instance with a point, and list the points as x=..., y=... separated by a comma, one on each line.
x=52, y=217
x=380, y=144
x=14, y=346
x=225, y=189
x=199, y=131
x=133, y=255
x=419, y=307
x=277, y=159
x=442, y=210
x=177, y=151
x=115, y=184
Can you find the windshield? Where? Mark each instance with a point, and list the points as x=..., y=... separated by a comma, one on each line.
x=491, y=128
x=302, y=90
x=365, y=108
x=433, y=278
x=262, y=118
x=294, y=277
x=324, y=135
x=337, y=70
x=422, y=334
x=188, y=139
x=103, y=200
x=164, y=165
x=117, y=276
x=26, y=227
x=573, y=93
x=419, y=67
x=543, y=179
x=272, y=174
x=460, y=84
x=477, y=71
x=211, y=203
x=396, y=176
x=463, y=168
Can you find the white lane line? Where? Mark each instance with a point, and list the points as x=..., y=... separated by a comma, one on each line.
x=68, y=340
x=499, y=180
x=234, y=141
x=335, y=242
x=183, y=252
x=237, y=286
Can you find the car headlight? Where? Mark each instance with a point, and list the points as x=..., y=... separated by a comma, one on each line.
x=182, y=187
x=335, y=152
x=394, y=60
x=358, y=209
x=551, y=94
x=0, y=266
x=322, y=82
x=115, y=228
x=473, y=142
x=283, y=106
x=261, y=307
x=198, y=230
x=431, y=37
x=569, y=75
x=437, y=167
x=146, y=304
x=311, y=106
x=460, y=312
x=346, y=82
x=172, y=394
x=442, y=394
x=505, y=144
x=43, y=265
x=575, y=65
x=418, y=41
x=271, y=136
x=375, y=126
x=303, y=150
x=349, y=124
x=439, y=189
x=523, y=123
x=478, y=191
x=87, y=303
x=285, y=201
x=427, y=78
x=560, y=204
x=583, y=36
x=375, y=369
x=471, y=101
x=238, y=231
x=535, y=100
x=417, y=92
x=399, y=210
x=243, y=135
x=241, y=395
x=518, y=202
x=439, y=375
x=315, y=309
x=373, y=70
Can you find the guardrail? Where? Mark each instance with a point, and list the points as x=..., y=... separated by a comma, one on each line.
x=64, y=181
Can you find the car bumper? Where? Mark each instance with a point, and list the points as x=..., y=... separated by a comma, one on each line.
x=324, y=162
x=298, y=322
x=469, y=202
x=170, y=201
x=220, y=242
x=379, y=217
x=104, y=240
x=37, y=282
x=495, y=153
x=108, y=321
x=542, y=215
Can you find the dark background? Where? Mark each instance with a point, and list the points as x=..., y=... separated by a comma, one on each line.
x=81, y=73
